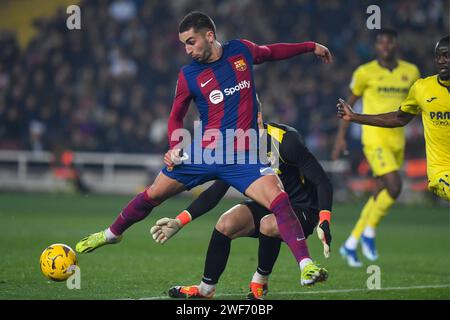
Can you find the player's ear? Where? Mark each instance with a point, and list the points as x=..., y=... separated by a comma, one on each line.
x=210, y=36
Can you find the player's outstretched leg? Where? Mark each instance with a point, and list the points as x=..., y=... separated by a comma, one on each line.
x=136, y=210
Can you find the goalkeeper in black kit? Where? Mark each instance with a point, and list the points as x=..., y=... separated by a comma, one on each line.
x=310, y=193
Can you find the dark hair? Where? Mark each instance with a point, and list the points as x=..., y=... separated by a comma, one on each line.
x=197, y=20
x=388, y=32
x=443, y=41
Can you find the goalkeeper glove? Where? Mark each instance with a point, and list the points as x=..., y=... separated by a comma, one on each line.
x=166, y=228
x=323, y=231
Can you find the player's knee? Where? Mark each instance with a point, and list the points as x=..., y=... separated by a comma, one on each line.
x=226, y=226
x=154, y=195
x=394, y=189
x=269, y=188
x=268, y=226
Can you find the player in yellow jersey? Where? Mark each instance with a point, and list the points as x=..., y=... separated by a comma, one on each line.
x=383, y=84
x=430, y=97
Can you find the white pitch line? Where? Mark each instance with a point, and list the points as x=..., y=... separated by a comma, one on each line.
x=320, y=291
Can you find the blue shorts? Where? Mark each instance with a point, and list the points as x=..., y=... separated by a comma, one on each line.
x=240, y=176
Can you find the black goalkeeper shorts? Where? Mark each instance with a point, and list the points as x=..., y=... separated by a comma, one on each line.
x=308, y=217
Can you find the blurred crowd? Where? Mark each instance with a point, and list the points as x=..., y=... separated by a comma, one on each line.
x=109, y=86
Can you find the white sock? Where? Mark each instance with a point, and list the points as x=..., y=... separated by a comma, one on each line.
x=304, y=263
x=206, y=289
x=369, y=232
x=351, y=243
x=110, y=237
x=259, y=278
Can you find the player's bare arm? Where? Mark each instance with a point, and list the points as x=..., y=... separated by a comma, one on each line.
x=386, y=120
x=340, y=145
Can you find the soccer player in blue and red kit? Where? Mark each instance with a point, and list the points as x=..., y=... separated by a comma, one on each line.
x=220, y=81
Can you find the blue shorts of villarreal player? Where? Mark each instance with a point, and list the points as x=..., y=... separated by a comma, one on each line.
x=240, y=173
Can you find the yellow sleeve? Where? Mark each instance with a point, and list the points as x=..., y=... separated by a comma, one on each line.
x=359, y=82
x=410, y=104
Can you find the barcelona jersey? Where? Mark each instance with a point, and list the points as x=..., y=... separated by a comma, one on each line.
x=224, y=92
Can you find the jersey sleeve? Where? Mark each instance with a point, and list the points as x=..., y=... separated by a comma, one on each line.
x=208, y=199
x=277, y=51
x=410, y=104
x=359, y=82
x=294, y=152
x=180, y=107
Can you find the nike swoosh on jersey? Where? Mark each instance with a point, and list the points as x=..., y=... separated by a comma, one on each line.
x=205, y=83
x=431, y=99
x=264, y=171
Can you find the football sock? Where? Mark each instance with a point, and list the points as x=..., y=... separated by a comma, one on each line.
x=380, y=208
x=304, y=263
x=289, y=227
x=369, y=232
x=216, y=257
x=206, y=289
x=136, y=210
x=110, y=236
x=351, y=243
x=259, y=278
x=360, y=225
x=269, y=248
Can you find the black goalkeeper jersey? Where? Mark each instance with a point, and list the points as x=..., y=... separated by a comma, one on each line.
x=286, y=144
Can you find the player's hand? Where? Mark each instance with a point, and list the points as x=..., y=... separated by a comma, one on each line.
x=324, y=233
x=165, y=229
x=323, y=53
x=344, y=110
x=340, y=146
x=172, y=157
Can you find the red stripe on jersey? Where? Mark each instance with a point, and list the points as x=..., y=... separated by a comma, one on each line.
x=246, y=106
x=179, y=108
x=210, y=89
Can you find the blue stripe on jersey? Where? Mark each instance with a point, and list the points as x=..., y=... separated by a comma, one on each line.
x=231, y=103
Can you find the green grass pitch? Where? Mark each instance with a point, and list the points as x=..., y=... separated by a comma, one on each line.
x=413, y=243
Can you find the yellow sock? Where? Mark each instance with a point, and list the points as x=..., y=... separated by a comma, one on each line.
x=362, y=221
x=380, y=208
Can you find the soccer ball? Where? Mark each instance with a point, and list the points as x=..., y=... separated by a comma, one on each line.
x=56, y=260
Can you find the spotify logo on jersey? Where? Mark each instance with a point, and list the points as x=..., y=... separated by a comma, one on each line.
x=216, y=96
